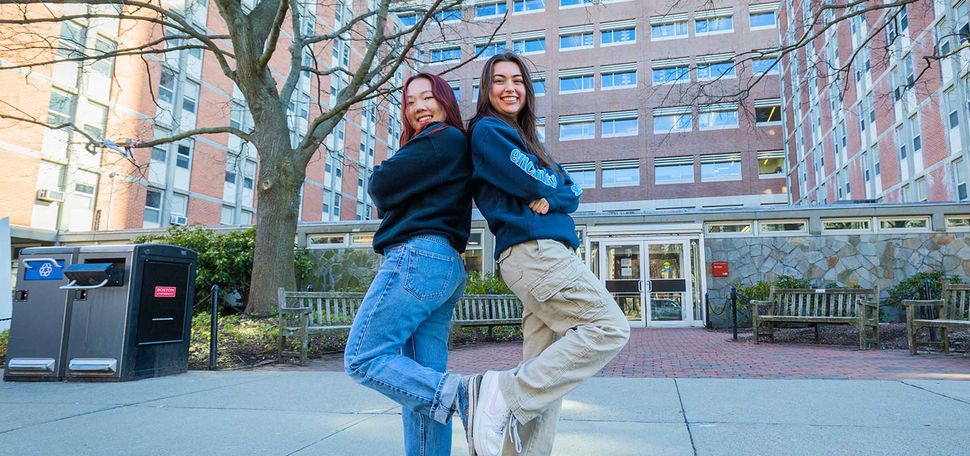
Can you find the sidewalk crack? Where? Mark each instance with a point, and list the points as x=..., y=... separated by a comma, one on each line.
x=684, y=413
x=341, y=429
x=934, y=392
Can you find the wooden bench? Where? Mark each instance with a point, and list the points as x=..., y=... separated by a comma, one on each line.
x=858, y=307
x=950, y=312
x=304, y=313
x=489, y=310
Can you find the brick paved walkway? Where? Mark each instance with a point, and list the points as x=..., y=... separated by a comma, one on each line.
x=698, y=353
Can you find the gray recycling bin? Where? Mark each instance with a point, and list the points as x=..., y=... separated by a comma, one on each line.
x=128, y=314
x=37, y=346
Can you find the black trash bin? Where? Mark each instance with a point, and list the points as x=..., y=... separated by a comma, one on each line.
x=131, y=312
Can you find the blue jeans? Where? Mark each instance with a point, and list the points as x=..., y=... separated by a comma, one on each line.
x=398, y=344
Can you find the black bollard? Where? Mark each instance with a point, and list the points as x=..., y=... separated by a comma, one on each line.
x=214, y=329
x=734, y=311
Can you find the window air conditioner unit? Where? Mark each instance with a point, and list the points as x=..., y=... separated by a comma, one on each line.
x=54, y=196
x=176, y=219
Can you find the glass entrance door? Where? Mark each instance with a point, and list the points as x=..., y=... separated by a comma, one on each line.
x=668, y=292
x=624, y=277
x=650, y=280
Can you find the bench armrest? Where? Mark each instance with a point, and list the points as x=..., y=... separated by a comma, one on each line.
x=756, y=306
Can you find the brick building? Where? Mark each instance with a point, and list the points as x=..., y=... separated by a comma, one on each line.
x=617, y=84
x=889, y=129
x=55, y=184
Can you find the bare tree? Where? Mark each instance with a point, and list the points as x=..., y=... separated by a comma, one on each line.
x=265, y=48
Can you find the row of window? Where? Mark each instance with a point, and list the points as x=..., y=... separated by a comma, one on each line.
x=839, y=225
x=661, y=27
x=665, y=120
x=676, y=170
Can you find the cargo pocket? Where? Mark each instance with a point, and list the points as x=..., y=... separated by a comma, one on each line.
x=566, y=292
x=428, y=274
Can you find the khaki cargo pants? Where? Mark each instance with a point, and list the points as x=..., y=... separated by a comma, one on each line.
x=571, y=327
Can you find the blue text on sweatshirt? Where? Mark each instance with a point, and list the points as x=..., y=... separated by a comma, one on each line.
x=508, y=177
x=425, y=188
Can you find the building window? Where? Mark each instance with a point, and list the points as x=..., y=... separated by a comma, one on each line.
x=771, y=164
x=788, y=227
x=326, y=240
x=190, y=96
x=625, y=35
x=625, y=173
x=674, y=170
x=844, y=225
x=583, y=174
x=668, y=30
x=448, y=15
x=921, y=189
x=527, y=6
x=538, y=86
x=455, y=89
x=408, y=20
x=960, y=174
x=153, y=206
x=576, y=41
x=474, y=257
x=577, y=127
x=729, y=228
x=764, y=66
x=671, y=122
x=762, y=20
x=619, y=124
x=159, y=154
x=166, y=86
x=529, y=45
x=717, y=117
x=60, y=109
x=476, y=89
x=574, y=3
x=958, y=223
x=617, y=78
x=671, y=74
x=953, y=108
x=719, y=168
x=445, y=55
x=708, y=68
x=719, y=24
x=486, y=50
x=183, y=156
x=767, y=112
x=541, y=130
x=491, y=9
x=904, y=224
x=103, y=66
x=576, y=80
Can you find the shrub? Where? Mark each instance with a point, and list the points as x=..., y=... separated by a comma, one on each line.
x=761, y=289
x=224, y=259
x=4, y=338
x=912, y=287
x=479, y=283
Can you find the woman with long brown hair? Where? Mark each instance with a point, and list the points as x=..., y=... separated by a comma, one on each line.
x=571, y=325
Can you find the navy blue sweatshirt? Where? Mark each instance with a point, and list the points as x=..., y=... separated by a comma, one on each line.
x=425, y=188
x=507, y=178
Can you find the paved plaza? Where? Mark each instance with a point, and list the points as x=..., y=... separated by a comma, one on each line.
x=654, y=399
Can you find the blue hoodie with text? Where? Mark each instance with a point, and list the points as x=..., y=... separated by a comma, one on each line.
x=508, y=177
x=425, y=188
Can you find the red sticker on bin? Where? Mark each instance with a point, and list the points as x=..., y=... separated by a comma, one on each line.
x=164, y=292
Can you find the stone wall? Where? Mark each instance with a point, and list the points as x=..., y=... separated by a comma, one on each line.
x=863, y=260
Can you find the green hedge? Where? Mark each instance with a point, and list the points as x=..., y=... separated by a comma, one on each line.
x=912, y=287
x=224, y=259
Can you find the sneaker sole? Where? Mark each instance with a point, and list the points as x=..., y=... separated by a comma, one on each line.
x=491, y=379
x=472, y=404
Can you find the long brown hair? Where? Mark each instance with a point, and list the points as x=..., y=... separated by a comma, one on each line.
x=525, y=120
x=441, y=92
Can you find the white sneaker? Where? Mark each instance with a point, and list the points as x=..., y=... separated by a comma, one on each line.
x=491, y=418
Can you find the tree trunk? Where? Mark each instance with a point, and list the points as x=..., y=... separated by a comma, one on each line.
x=278, y=196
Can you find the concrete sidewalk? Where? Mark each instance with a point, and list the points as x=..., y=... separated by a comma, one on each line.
x=274, y=412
